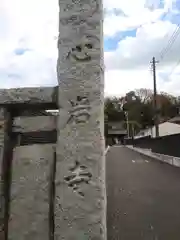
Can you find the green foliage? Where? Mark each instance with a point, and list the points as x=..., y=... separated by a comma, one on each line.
x=112, y=109
x=139, y=105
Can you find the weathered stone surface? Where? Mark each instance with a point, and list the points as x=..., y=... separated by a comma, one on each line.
x=6, y=159
x=2, y=125
x=28, y=95
x=29, y=193
x=2, y=200
x=80, y=173
x=37, y=123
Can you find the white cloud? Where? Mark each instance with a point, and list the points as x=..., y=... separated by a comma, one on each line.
x=128, y=66
x=33, y=25
x=137, y=18
x=119, y=82
x=130, y=7
x=136, y=52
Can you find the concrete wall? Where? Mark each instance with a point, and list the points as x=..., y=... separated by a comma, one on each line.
x=166, y=128
x=166, y=145
x=29, y=207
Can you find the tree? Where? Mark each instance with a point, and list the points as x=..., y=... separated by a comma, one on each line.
x=170, y=97
x=144, y=94
x=147, y=115
x=112, y=109
x=140, y=107
x=166, y=105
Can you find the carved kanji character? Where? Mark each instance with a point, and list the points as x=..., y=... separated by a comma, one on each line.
x=80, y=110
x=79, y=174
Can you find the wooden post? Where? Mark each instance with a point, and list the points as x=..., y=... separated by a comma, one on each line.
x=6, y=160
x=52, y=197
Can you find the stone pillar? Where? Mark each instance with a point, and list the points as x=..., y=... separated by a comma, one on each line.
x=2, y=197
x=80, y=211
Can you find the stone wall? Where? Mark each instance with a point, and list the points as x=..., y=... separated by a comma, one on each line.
x=30, y=181
x=29, y=207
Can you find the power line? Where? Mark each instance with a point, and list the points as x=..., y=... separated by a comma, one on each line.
x=162, y=54
x=177, y=31
x=169, y=46
x=178, y=62
x=170, y=42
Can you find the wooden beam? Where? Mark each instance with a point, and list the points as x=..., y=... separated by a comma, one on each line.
x=29, y=98
x=32, y=124
x=30, y=138
x=35, y=112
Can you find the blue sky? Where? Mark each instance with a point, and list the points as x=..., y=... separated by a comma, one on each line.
x=134, y=32
x=20, y=51
x=111, y=43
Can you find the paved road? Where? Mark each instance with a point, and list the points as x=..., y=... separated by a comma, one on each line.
x=143, y=197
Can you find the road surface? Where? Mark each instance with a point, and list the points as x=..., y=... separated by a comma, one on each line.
x=143, y=197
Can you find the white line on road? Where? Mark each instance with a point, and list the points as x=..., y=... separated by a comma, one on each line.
x=140, y=161
x=107, y=149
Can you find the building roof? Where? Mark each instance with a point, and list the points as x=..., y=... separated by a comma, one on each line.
x=166, y=128
x=116, y=124
x=117, y=132
x=175, y=119
x=116, y=128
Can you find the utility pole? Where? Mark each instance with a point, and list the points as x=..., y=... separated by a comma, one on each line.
x=156, y=117
x=132, y=130
x=127, y=122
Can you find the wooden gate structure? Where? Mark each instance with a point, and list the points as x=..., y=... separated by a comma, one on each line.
x=22, y=123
